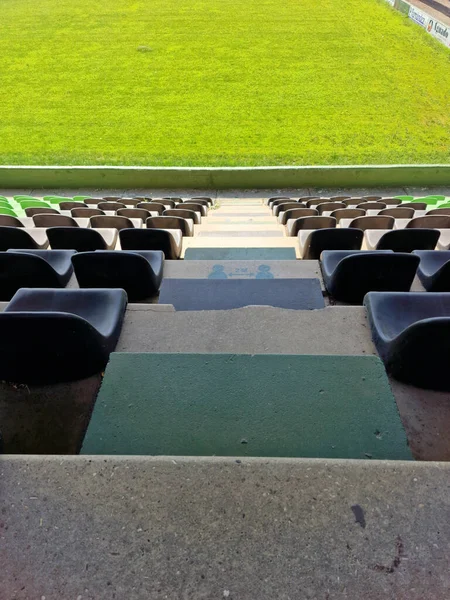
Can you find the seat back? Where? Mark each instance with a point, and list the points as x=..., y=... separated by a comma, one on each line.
x=312, y=223
x=183, y=213
x=30, y=212
x=430, y=222
x=355, y=202
x=194, y=206
x=111, y=205
x=152, y=206
x=339, y=198
x=169, y=223
x=331, y=239
x=314, y=201
x=21, y=270
x=375, y=222
x=54, y=221
x=134, y=213
x=284, y=206
x=329, y=206
x=347, y=213
x=113, y=222
x=296, y=213
x=86, y=213
x=391, y=201
x=438, y=211
x=398, y=212
x=149, y=239
x=15, y=238
x=372, y=198
x=407, y=240
x=8, y=221
x=118, y=270
x=80, y=239
x=368, y=205
x=415, y=205
x=70, y=205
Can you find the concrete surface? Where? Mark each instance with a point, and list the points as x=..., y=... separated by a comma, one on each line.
x=49, y=419
x=204, y=178
x=253, y=405
x=240, y=254
x=223, y=293
x=250, y=330
x=100, y=528
x=243, y=269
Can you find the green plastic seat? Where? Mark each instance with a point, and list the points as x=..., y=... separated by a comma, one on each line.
x=56, y=199
x=4, y=198
x=34, y=204
x=405, y=198
x=5, y=203
x=7, y=211
x=445, y=205
x=81, y=198
x=24, y=197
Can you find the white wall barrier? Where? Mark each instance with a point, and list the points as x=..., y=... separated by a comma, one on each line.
x=434, y=27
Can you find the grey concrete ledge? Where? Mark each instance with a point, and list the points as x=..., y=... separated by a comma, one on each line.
x=250, y=529
x=112, y=177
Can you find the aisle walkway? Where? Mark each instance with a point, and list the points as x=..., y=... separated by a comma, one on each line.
x=240, y=223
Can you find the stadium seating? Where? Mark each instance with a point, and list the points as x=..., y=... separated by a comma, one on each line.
x=350, y=275
x=33, y=268
x=319, y=240
x=412, y=336
x=434, y=270
x=151, y=239
x=138, y=273
x=49, y=336
x=15, y=237
x=81, y=239
x=402, y=240
x=308, y=223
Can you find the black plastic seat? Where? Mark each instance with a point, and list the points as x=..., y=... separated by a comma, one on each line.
x=398, y=212
x=271, y=201
x=152, y=206
x=86, y=213
x=70, y=205
x=407, y=240
x=339, y=198
x=201, y=208
x=438, y=211
x=112, y=222
x=350, y=275
x=134, y=213
x=150, y=239
x=167, y=202
x=111, y=205
x=296, y=213
x=412, y=335
x=54, y=221
x=434, y=269
x=315, y=200
x=169, y=223
x=209, y=200
x=371, y=205
x=33, y=269
x=183, y=213
x=81, y=239
x=312, y=223
x=51, y=336
x=354, y=202
x=415, y=205
x=391, y=201
x=8, y=221
x=15, y=237
x=31, y=212
x=347, y=213
x=138, y=273
x=277, y=208
x=372, y=198
x=329, y=207
x=331, y=239
x=430, y=222
x=375, y=222
x=201, y=201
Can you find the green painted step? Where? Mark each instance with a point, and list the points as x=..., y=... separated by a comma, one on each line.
x=240, y=254
x=246, y=405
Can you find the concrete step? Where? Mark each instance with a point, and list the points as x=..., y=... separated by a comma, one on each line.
x=242, y=242
x=337, y=529
x=184, y=405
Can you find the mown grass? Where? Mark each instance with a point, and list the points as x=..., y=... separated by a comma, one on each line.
x=219, y=82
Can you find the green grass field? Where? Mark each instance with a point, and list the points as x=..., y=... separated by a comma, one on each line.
x=219, y=82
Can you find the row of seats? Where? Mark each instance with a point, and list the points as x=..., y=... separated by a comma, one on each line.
x=398, y=212
x=348, y=274
x=411, y=332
